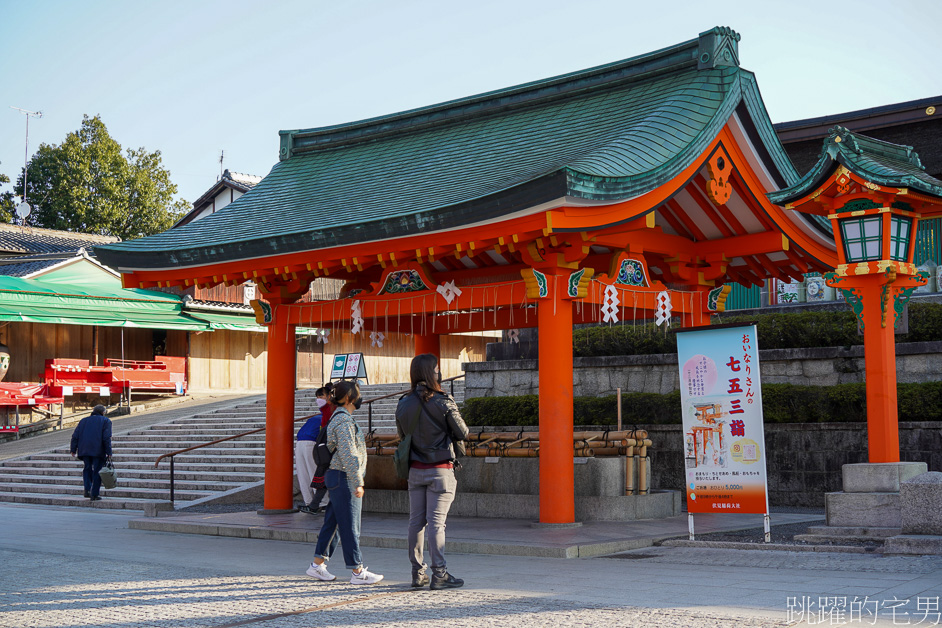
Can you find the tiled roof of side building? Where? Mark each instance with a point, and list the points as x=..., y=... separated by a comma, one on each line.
x=248, y=181
x=607, y=133
x=26, y=268
x=16, y=239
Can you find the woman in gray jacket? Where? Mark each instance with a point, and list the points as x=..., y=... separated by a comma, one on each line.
x=433, y=419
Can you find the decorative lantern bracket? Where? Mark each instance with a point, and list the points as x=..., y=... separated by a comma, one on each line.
x=897, y=287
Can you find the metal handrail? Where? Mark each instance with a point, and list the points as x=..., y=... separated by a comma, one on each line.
x=262, y=429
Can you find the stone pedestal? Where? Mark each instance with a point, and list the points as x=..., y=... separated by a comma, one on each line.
x=871, y=495
x=869, y=507
x=921, y=516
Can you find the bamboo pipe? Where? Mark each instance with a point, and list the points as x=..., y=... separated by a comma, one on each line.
x=610, y=451
x=629, y=471
x=643, y=472
x=618, y=397
x=514, y=436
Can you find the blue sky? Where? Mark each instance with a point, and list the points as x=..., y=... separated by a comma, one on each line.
x=193, y=78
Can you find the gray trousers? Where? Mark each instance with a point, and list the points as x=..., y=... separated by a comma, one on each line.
x=431, y=492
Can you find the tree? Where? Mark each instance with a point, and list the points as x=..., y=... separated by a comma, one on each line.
x=7, y=202
x=88, y=184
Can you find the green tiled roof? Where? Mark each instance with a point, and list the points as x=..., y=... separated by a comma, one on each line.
x=607, y=133
x=874, y=160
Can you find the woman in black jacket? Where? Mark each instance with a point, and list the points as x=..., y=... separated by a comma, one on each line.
x=433, y=419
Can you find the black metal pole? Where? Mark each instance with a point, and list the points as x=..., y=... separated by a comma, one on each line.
x=171, y=479
x=369, y=411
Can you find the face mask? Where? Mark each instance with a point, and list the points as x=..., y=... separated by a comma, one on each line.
x=321, y=402
x=439, y=377
x=358, y=403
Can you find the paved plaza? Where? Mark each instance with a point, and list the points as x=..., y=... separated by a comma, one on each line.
x=83, y=567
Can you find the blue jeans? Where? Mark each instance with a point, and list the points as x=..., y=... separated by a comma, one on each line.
x=341, y=521
x=90, y=477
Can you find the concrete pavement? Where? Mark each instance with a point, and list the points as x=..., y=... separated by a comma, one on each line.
x=504, y=537
x=71, y=567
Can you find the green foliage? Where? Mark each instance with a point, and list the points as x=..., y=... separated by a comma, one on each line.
x=781, y=403
x=775, y=331
x=501, y=410
x=920, y=402
x=7, y=202
x=88, y=184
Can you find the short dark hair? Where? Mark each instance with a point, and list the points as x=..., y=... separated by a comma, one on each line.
x=99, y=409
x=320, y=392
x=343, y=390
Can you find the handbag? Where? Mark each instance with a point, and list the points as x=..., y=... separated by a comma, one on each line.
x=403, y=453
x=109, y=477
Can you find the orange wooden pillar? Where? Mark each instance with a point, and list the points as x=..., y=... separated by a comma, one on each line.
x=880, y=363
x=428, y=343
x=554, y=319
x=279, y=415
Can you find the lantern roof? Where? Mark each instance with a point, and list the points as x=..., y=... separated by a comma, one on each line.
x=600, y=135
x=873, y=161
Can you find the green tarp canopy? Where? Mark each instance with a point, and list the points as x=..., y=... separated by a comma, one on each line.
x=83, y=293
x=75, y=298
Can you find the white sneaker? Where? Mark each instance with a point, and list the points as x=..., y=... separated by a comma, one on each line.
x=320, y=572
x=365, y=577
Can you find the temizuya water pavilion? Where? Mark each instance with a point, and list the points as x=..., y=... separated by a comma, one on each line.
x=634, y=189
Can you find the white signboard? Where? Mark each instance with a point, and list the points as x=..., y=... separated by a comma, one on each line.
x=348, y=366
x=724, y=435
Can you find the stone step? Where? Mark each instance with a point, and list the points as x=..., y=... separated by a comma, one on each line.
x=232, y=456
x=118, y=492
x=126, y=481
x=257, y=472
x=839, y=534
x=173, y=440
x=147, y=464
x=175, y=445
x=107, y=503
x=182, y=432
x=54, y=477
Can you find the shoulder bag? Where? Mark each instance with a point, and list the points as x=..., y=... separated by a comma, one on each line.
x=401, y=457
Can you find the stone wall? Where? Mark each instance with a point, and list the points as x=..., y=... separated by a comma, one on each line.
x=598, y=376
x=804, y=459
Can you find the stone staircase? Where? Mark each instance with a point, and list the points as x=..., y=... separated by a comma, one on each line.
x=54, y=478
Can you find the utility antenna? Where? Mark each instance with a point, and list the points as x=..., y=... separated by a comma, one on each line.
x=23, y=209
x=222, y=155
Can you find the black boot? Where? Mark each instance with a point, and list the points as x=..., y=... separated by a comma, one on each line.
x=419, y=580
x=446, y=581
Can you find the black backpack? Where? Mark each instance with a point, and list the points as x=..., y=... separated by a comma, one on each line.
x=322, y=455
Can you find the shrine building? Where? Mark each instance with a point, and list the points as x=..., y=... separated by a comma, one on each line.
x=632, y=190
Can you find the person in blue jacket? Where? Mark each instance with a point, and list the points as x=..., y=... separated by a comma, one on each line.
x=91, y=441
